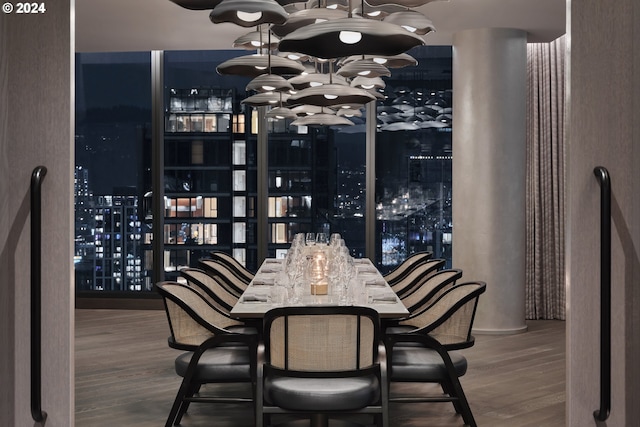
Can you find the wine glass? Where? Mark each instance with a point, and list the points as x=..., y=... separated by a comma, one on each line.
x=321, y=239
x=346, y=268
x=310, y=239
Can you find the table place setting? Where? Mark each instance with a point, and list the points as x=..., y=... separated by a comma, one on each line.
x=318, y=274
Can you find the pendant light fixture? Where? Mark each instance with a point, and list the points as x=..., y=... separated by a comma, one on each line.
x=350, y=36
x=264, y=99
x=368, y=83
x=412, y=21
x=254, y=65
x=322, y=119
x=405, y=3
x=364, y=68
x=331, y=94
x=395, y=61
x=260, y=39
x=304, y=17
x=197, y=4
x=248, y=13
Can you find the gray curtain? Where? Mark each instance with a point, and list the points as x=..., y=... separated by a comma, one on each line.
x=545, y=284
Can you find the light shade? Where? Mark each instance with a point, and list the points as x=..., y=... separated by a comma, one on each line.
x=310, y=110
x=256, y=40
x=305, y=17
x=254, y=65
x=394, y=61
x=405, y=3
x=197, y=4
x=304, y=81
x=331, y=94
x=248, y=13
x=412, y=21
x=322, y=39
x=364, y=68
x=264, y=99
x=368, y=83
x=269, y=83
x=322, y=119
x=280, y=113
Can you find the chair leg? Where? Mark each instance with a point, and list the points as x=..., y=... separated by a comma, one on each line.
x=185, y=404
x=177, y=403
x=465, y=409
x=447, y=388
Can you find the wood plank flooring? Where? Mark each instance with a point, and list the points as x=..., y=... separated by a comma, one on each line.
x=125, y=377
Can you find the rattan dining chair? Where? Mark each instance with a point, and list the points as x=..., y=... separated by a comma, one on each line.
x=430, y=289
x=216, y=352
x=406, y=266
x=321, y=362
x=233, y=264
x=214, y=291
x=417, y=275
x=235, y=284
x=421, y=349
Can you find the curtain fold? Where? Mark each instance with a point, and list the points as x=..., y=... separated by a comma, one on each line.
x=545, y=257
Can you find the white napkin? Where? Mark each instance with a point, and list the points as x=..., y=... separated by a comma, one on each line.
x=383, y=298
x=255, y=298
x=266, y=281
x=374, y=281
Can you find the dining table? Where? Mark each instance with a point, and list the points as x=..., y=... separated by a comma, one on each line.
x=367, y=288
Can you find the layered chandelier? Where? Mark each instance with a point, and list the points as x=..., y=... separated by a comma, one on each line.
x=318, y=62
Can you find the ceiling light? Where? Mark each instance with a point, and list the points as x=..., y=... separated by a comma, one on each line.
x=263, y=99
x=322, y=119
x=248, y=13
x=254, y=65
x=306, y=17
x=197, y=4
x=268, y=83
x=393, y=61
x=338, y=94
x=350, y=37
x=405, y=3
x=323, y=40
x=257, y=39
x=363, y=67
x=412, y=21
x=280, y=113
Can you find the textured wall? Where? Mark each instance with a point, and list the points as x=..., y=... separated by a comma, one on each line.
x=35, y=129
x=603, y=130
x=489, y=87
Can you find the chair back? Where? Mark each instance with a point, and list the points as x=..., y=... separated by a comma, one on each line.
x=233, y=283
x=417, y=274
x=214, y=291
x=321, y=339
x=192, y=320
x=233, y=264
x=406, y=266
x=449, y=319
x=431, y=287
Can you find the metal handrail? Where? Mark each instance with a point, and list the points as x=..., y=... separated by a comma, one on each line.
x=37, y=176
x=602, y=175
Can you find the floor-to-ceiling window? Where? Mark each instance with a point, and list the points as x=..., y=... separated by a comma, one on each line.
x=112, y=173
x=316, y=174
x=413, y=160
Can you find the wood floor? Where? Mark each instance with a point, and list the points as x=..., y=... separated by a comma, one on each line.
x=125, y=377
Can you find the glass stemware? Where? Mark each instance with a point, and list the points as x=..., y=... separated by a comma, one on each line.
x=310, y=239
x=321, y=239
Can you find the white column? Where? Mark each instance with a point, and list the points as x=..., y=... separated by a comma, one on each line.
x=489, y=164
